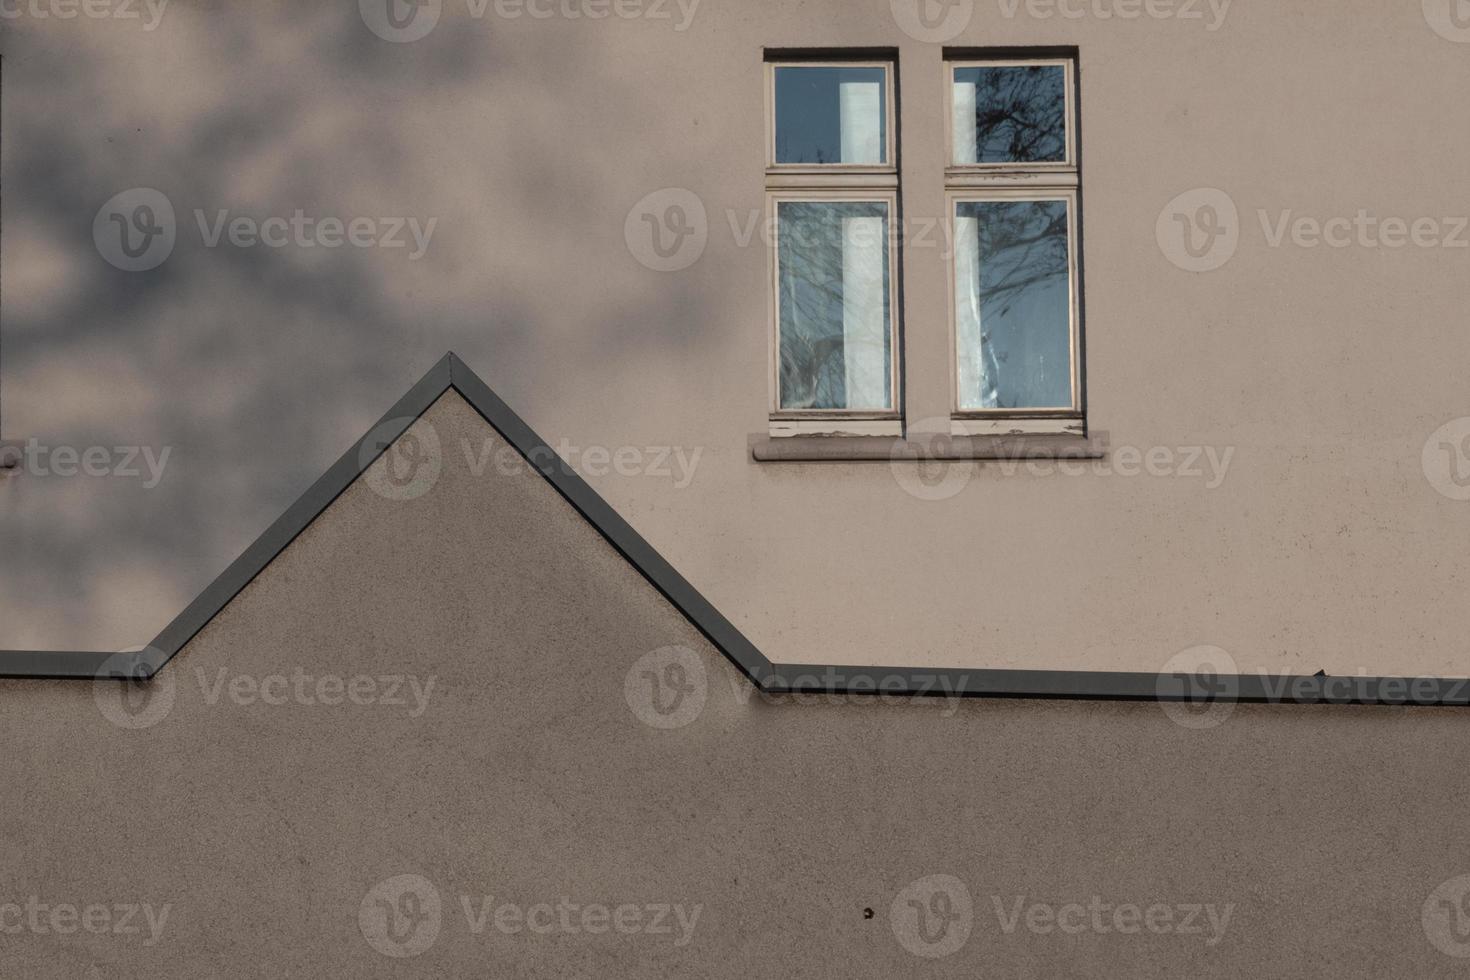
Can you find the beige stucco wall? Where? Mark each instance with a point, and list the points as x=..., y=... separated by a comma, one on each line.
x=1323, y=370
x=533, y=772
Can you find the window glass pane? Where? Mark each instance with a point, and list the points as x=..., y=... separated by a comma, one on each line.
x=1010, y=115
x=833, y=294
x=831, y=115
x=1013, y=304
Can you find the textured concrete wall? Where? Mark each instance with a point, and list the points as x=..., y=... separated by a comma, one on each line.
x=534, y=766
x=533, y=139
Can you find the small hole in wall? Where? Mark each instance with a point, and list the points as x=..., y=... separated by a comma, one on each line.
x=867, y=913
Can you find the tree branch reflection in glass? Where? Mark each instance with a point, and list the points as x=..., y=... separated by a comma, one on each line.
x=1013, y=115
x=1013, y=304
x=834, y=306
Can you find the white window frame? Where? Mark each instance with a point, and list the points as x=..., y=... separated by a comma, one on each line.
x=1040, y=171
x=833, y=421
x=967, y=183
x=890, y=147
x=991, y=421
x=834, y=183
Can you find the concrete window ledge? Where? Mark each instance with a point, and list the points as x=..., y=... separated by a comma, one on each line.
x=917, y=447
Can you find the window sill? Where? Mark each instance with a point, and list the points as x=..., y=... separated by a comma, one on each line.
x=1037, y=425
x=841, y=428
x=970, y=178
x=797, y=178
x=858, y=449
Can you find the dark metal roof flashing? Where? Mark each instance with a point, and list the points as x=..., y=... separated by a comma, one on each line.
x=785, y=679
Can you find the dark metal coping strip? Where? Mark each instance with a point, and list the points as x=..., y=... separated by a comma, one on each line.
x=87, y=666
x=618, y=532
x=907, y=682
x=451, y=372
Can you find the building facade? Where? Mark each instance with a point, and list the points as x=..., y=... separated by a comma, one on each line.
x=1117, y=337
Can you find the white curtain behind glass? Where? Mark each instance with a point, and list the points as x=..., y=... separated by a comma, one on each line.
x=864, y=324
x=967, y=313
x=860, y=105
x=964, y=123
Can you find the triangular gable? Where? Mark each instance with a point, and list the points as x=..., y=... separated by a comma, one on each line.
x=452, y=373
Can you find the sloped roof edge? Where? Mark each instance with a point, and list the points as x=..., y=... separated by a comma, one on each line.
x=786, y=679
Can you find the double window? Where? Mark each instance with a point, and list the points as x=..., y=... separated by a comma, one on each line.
x=1011, y=191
